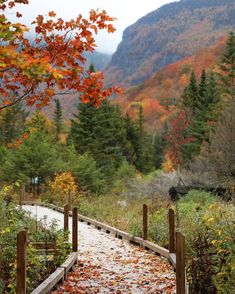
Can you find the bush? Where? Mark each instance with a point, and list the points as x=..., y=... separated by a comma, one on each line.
x=125, y=172
x=207, y=223
x=212, y=266
x=89, y=177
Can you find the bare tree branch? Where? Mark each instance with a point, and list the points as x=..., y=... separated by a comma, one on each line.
x=65, y=93
x=16, y=101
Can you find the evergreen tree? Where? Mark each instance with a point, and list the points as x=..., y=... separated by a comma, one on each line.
x=204, y=117
x=145, y=150
x=223, y=141
x=227, y=67
x=57, y=119
x=100, y=132
x=213, y=93
x=92, y=67
x=158, y=146
x=12, y=123
x=82, y=128
x=202, y=89
x=132, y=139
x=191, y=95
x=36, y=158
x=40, y=123
x=141, y=140
x=83, y=167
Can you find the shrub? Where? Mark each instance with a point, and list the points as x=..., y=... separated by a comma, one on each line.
x=213, y=250
x=89, y=177
x=125, y=172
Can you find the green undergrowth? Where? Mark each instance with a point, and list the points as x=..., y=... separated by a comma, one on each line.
x=206, y=222
x=39, y=266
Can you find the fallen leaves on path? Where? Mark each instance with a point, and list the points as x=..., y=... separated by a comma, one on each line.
x=127, y=270
x=109, y=265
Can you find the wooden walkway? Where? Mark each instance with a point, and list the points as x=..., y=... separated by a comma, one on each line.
x=107, y=264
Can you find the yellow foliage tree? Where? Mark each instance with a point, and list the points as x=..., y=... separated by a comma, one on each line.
x=167, y=165
x=62, y=185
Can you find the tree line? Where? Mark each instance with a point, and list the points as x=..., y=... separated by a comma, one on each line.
x=200, y=135
x=99, y=145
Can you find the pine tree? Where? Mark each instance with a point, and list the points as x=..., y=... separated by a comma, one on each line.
x=12, y=123
x=132, y=139
x=39, y=123
x=191, y=95
x=91, y=68
x=227, y=67
x=203, y=120
x=57, y=119
x=100, y=132
x=82, y=128
x=158, y=146
x=145, y=149
x=140, y=153
x=224, y=138
x=202, y=89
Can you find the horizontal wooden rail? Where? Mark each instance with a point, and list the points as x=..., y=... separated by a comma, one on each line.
x=171, y=256
x=59, y=275
x=108, y=229
x=43, y=245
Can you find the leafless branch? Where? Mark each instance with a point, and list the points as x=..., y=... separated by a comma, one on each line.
x=15, y=101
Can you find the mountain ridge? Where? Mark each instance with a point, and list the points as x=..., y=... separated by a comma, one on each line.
x=167, y=35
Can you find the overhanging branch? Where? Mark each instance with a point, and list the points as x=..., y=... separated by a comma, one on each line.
x=15, y=101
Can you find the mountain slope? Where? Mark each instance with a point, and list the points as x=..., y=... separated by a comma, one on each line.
x=159, y=94
x=167, y=35
x=98, y=59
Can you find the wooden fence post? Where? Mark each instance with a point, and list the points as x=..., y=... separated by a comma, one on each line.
x=180, y=264
x=171, y=220
x=145, y=222
x=75, y=230
x=66, y=218
x=21, y=262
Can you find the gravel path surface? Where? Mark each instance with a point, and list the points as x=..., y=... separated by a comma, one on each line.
x=109, y=265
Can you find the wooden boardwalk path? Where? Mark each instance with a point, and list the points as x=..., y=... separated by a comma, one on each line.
x=109, y=265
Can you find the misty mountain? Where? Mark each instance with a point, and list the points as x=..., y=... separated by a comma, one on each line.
x=98, y=59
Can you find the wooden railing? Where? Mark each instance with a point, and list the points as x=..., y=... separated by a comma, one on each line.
x=175, y=253
x=49, y=248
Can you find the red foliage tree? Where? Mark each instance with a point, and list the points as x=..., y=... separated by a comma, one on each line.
x=176, y=139
x=54, y=63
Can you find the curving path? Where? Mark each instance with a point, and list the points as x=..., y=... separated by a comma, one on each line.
x=109, y=265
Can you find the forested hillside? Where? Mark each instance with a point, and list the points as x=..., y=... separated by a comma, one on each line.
x=159, y=94
x=167, y=35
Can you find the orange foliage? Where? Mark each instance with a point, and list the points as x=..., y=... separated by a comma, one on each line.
x=158, y=94
x=167, y=165
x=64, y=182
x=30, y=71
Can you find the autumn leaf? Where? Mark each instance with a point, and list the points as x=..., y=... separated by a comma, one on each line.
x=55, y=63
x=18, y=14
x=52, y=14
x=50, y=92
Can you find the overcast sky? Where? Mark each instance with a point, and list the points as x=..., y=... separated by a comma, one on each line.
x=126, y=11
